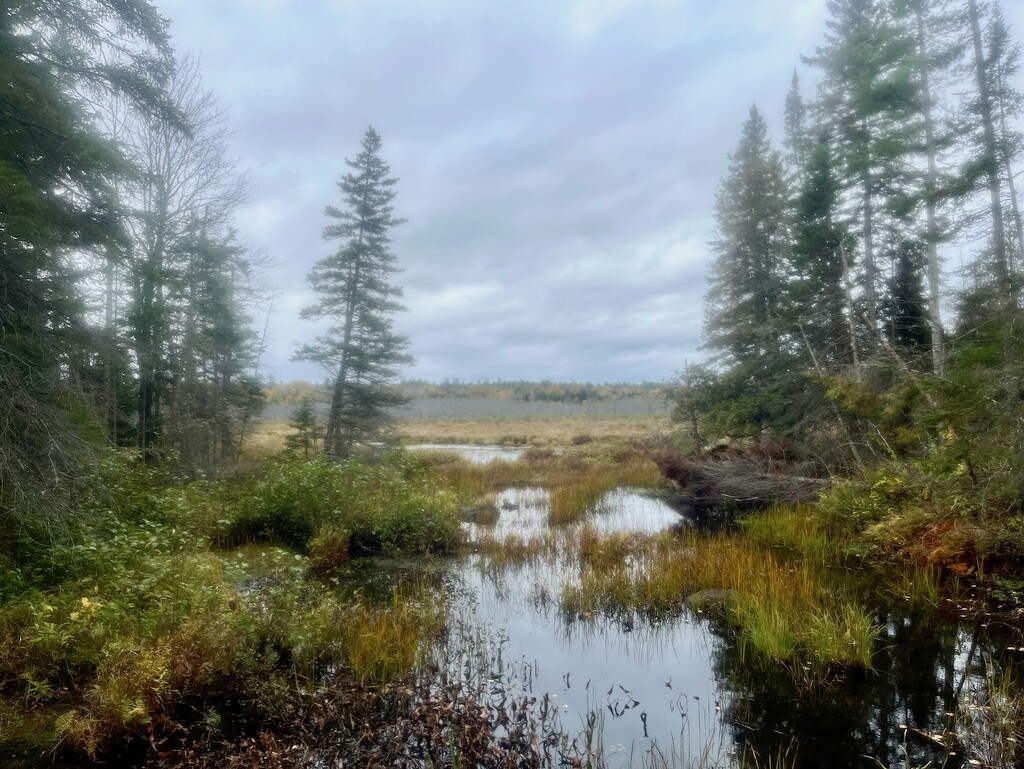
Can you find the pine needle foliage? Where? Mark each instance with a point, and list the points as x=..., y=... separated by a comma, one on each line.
x=355, y=288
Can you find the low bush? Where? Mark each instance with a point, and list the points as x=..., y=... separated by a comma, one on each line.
x=142, y=616
x=388, y=508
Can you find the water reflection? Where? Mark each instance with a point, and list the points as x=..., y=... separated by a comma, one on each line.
x=522, y=511
x=677, y=687
x=477, y=454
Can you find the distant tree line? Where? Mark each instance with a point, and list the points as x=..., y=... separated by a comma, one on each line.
x=126, y=298
x=827, y=318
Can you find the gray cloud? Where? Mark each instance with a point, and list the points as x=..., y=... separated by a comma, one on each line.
x=558, y=161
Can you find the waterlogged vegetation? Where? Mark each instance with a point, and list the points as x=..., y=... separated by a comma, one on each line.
x=784, y=612
x=551, y=611
x=176, y=604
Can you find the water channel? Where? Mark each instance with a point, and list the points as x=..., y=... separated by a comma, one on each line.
x=674, y=689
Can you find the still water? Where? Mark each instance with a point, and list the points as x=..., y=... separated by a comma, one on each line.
x=477, y=454
x=674, y=690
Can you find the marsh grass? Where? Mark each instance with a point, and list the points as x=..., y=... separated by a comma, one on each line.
x=579, y=481
x=384, y=644
x=576, y=479
x=923, y=585
x=784, y=614
x=795, y=528
x=571, y=548
x=548, y=430
x=989, y=723
x=800, y=532
x=515, y=550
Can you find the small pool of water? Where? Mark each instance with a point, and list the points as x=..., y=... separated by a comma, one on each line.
x=675, y=690
x=477, y=454
x=522, y=511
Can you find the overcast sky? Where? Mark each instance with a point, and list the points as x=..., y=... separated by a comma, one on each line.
x=557, y=161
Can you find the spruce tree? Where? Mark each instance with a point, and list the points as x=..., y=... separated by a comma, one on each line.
x=821, y=255
x=866, y=104
x=303, y=421
x=57, y=175
x=937, y=30
x=360, y=348
x=796, y=141
x=983, y=165
x=745, y=323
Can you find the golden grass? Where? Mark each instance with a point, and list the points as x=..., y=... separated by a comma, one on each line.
x=525, y=431
x=583, y=545
x=267, y=439
x=576, y=478
x=264, y=440
x=383, y=644
x=784, y=612
x=794, y=527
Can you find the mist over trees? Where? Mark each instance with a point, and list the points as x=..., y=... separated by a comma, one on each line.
x=827, y=319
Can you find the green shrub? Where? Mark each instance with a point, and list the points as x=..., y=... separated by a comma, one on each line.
x=391, y=507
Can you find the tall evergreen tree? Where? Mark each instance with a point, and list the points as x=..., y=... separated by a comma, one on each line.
x=821, y=250
x=796, y=138
x=360, y=349
x=937, y=29
x=744, y=324
x=1004, y=60
x=983, y=166
x=866, y=99
x=57, y=177
x=186, y=196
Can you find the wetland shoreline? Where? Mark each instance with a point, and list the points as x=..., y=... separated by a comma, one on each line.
x=553, y=623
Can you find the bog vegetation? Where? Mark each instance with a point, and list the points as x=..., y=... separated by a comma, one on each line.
x=165, y=591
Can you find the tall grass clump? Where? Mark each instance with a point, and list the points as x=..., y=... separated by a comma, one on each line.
x=783, y=612
x=793, y=527
x=384, y=644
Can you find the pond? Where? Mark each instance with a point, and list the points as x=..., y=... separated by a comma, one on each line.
x=478, y=454
x=675, y=690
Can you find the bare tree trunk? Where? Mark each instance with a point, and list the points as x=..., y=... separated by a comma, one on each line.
x=870, y=269
x=1011, y=184
x=335, y=443
x=338, y=443
x=835, y=409
x=851, y=327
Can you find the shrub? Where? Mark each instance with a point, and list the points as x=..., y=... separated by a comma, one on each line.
x=392, y=507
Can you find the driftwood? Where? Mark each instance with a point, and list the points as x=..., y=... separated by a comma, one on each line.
x=750, y=477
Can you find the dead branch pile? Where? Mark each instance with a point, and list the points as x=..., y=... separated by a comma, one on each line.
x=753, y=476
